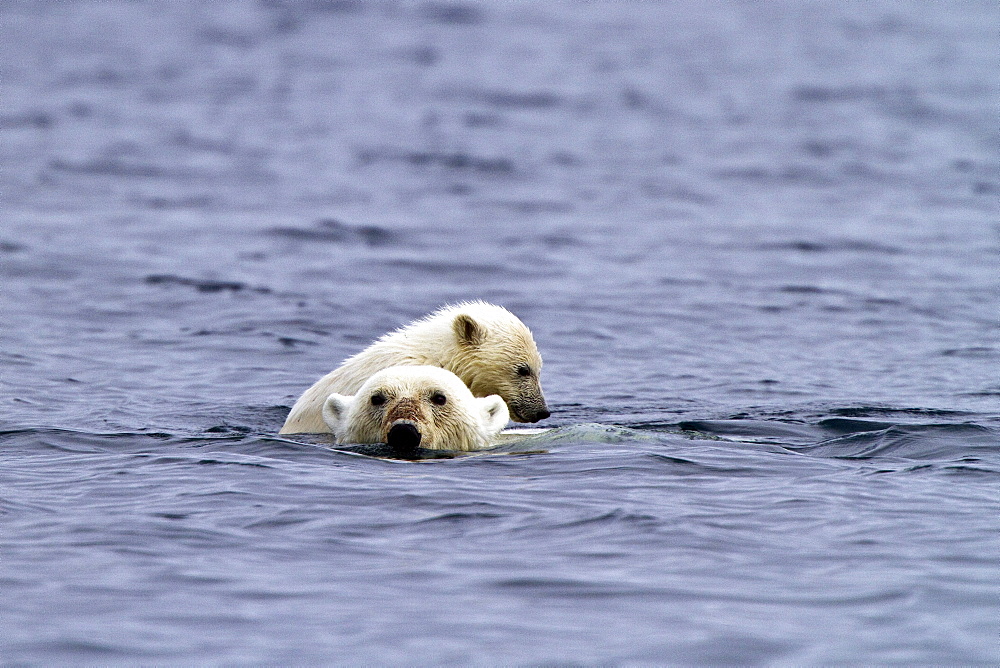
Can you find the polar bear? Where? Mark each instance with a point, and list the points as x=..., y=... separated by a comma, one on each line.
x=485, y=345
x=407, y=407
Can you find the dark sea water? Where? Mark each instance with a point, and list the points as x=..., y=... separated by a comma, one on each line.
x=758, y=244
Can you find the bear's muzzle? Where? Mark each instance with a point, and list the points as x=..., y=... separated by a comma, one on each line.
x=528, y=413
x=403, y=437
x=402, y=426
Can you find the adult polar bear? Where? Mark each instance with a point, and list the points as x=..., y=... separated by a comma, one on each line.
x=485, y=345
x=407, y=407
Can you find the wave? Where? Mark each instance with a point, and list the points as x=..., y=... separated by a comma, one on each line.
x=853, y=438
x=965, y=442
x=971, y=446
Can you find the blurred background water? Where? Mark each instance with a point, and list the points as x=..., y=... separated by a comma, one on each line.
x=757, y=244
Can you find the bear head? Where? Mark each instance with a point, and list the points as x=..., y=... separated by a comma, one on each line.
x=496, y=354
x=408, y=407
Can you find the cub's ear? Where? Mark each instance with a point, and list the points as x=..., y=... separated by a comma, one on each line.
x=335, y=410
x=494, y=413
x=468, y=331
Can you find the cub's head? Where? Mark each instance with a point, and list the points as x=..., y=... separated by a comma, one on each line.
x=496, y=354
x=416, y=406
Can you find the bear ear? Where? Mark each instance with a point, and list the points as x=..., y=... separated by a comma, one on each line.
x=468, y=331
x=335, y=410
x=494, y=412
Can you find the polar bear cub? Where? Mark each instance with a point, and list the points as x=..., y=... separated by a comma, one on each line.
x=416, y=406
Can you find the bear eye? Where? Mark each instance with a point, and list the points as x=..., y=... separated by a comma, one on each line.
x=378, y=399
x=438, y=399
x=524, y=370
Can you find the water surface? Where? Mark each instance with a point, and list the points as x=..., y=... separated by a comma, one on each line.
x=757, y=245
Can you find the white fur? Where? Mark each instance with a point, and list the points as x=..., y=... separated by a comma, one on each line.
x=464, y=422
x=486, y=362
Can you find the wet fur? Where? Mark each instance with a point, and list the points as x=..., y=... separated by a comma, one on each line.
x=464, y=422
x=481, y=343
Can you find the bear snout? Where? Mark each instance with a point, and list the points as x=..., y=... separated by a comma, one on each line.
x=402, y=426
x=403, y=437
x=529, y=413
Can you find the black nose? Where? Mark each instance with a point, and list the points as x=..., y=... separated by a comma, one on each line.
x=542, y=414
x=403, y=437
